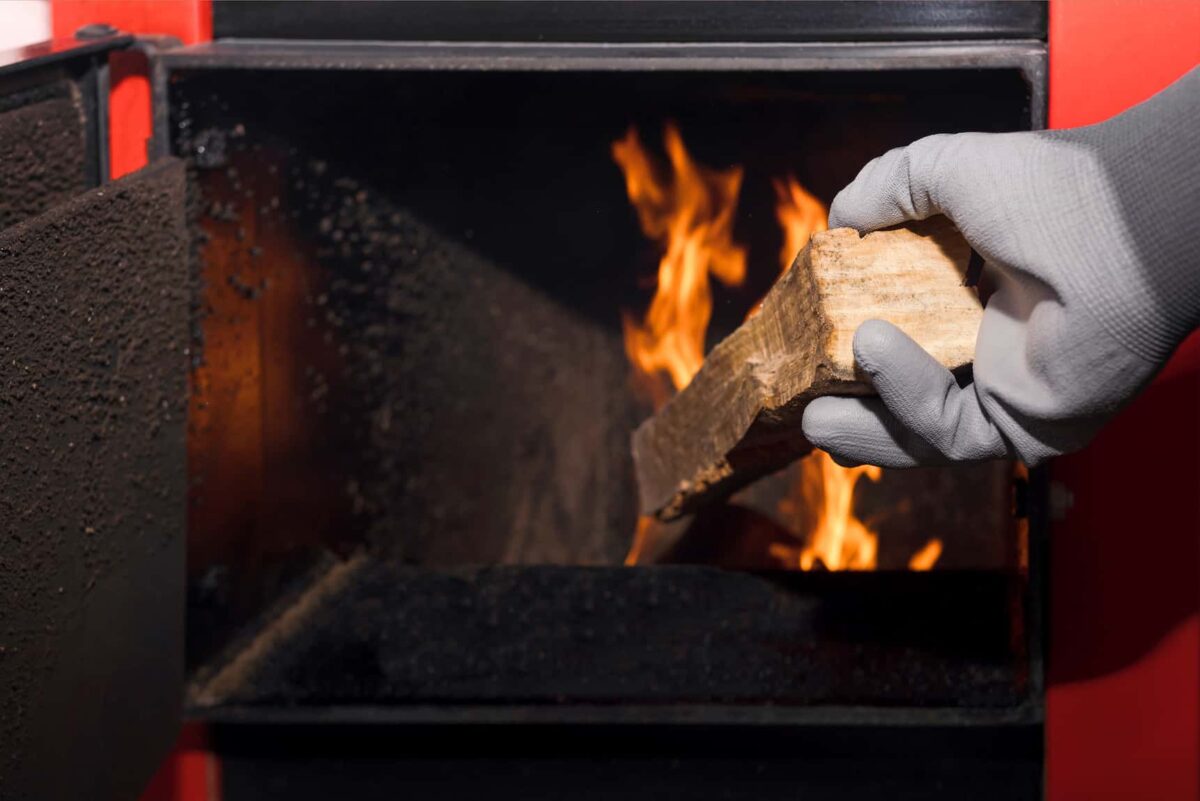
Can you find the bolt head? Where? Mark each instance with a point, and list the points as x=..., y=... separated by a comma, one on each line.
x=96, y=30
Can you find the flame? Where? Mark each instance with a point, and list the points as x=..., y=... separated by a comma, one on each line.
x=838, y=539
x=927, y=557
x=823, y=489
x=800, y=215
x=647, y=528
x=690, y=214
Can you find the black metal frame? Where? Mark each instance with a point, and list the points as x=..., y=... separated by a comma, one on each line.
x=1028, y=57
x=85, y=63
x=630, y=762
x=634, y=20
x=757, y=716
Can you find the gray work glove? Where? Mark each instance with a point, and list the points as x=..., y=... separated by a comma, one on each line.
x=1092, y=237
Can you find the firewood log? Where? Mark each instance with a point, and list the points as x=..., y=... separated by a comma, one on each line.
x=739, y=418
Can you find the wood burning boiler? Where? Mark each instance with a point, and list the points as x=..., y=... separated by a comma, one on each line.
x=366, y=343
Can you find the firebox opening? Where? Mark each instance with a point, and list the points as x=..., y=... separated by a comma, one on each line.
x=412, y=362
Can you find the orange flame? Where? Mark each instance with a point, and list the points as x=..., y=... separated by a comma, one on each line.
x=838, y=539
x=690, y=214
x=927, y=557
x=800, y=215
x=647, y=527
x=823, y=490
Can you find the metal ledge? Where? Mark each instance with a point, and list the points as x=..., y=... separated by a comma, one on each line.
x=1027, y=714
x=1028, y=57
x=643, y=21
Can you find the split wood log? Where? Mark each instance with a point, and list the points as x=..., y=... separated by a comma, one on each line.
x=739, y=418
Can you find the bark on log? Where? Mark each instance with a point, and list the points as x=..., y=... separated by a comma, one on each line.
x=739, y=418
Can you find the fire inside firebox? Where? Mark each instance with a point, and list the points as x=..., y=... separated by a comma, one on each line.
x=432, y=307
x=691, y=214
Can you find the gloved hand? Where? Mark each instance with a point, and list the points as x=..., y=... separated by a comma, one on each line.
x=1092, y=237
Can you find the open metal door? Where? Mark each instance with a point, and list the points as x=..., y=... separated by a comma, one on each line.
x=93, y=371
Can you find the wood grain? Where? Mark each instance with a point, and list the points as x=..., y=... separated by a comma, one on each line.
x=739, y=418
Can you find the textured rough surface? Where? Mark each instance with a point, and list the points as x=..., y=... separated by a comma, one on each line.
x=450, y=410
x=390, y=633
x=92, y=386
x=41, y=155
x=498, y=418
x=739, y=418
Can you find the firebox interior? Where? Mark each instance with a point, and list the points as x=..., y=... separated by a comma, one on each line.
x=408, y=442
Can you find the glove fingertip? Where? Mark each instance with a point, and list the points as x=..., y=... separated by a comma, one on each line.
x=843, y=461
x=840, y=215
x=821, y=420
x=860, y=208
x=857, y=431
x=839, y=426
x=874, y=343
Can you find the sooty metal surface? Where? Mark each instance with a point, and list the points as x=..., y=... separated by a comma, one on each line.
x=653, y=21
x=93, y=337
x=905, y=763
x=42, y=143
x=380, y=632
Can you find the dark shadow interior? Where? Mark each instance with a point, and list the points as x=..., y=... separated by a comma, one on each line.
x=409, y=288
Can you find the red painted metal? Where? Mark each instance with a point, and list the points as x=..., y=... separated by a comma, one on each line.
x=191, y=773
x=1123, y=701
x=190, y=21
